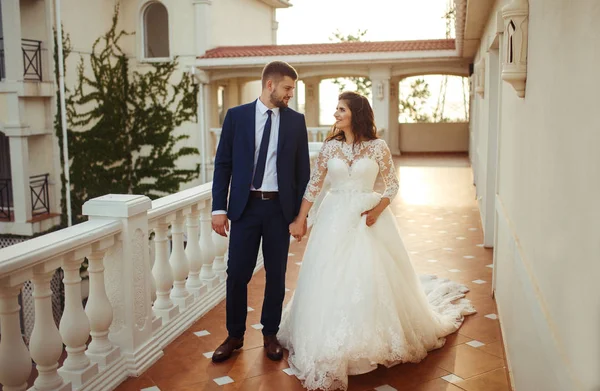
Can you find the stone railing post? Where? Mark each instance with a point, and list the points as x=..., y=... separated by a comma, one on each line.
x=128, y=278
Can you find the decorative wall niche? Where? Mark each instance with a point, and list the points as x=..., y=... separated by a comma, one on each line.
x=480, y=77
x=516, y=26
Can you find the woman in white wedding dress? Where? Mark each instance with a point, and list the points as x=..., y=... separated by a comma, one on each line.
x=358, y=302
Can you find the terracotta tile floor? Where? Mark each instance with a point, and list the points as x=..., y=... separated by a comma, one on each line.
x=439, y=221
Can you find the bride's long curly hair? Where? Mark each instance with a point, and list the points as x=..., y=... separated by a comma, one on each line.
x=362, y=121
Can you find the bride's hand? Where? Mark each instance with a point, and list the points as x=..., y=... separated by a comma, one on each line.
x=372, y=216
x=298, y=229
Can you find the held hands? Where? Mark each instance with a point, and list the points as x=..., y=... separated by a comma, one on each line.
x=298, y=228
x=220, y=224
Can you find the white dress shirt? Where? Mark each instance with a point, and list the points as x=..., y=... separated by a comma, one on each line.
x=270, y=177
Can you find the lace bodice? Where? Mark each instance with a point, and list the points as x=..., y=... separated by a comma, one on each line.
x=353, y=168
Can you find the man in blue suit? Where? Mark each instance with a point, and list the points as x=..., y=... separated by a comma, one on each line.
x=262, y=163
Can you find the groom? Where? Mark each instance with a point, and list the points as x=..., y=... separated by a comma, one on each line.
x=262, y=161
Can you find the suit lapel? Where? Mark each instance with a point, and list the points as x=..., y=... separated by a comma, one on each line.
x=251, y=128
x=283, y=129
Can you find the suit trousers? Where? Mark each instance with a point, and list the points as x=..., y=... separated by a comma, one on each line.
x=261, y=219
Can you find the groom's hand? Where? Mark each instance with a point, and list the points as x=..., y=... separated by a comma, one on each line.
x=220, y=224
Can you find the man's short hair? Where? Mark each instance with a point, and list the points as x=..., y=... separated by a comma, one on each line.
x=276, y=71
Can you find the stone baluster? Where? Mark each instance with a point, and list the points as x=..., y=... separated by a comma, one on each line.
x=193, y=253
x=219, y=266
x=15, y=361
x=100, y=313
x=163, y=274
x=179, y=264
x=152, y=261
x=207, y=247
x=156, y=320
x=74, y=325
x=45, y=344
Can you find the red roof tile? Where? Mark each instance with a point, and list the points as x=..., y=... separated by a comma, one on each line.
x=329, y=48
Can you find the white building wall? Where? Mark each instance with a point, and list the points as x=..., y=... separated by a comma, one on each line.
x=241, y=22
x=548, y=217
x=253, y=26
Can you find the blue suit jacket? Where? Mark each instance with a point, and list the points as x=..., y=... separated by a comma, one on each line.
x=234, y=163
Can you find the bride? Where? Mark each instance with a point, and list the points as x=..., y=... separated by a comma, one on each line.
x=358, y=301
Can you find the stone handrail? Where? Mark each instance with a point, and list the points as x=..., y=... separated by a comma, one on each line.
x=147, y=286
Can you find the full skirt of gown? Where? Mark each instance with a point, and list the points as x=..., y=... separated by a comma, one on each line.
x=358, y=301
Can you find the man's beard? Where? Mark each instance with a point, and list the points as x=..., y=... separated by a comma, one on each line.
x=277, y=101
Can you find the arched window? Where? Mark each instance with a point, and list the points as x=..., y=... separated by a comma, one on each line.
x=156, y=31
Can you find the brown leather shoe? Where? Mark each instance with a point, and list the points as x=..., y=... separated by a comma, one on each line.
x=224, y=351
x=273, y=347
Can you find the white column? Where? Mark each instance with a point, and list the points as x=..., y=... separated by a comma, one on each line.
x=19, y=165
x=100, y=314
x=19, y=150
x=194, y=284
x=179, y=264
x=232, y=94
x=128, y=278
x=163, y=274
x=293, y=103
x=380, y=78
x=312, y=104
x=13, y=53
x=212, y=121
x=15, y=361
x=207, y=247
x=75, y=327
x=274, y=26
x=45, y=344
x=203, y=26
x=394, y=127
x=220, y=245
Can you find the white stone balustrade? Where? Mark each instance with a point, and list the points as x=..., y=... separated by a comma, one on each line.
x=220, y=246
x=134, y=309
x=192, y=250
x=315, y=134
x=14, y=356
x=45, y=344
x=179, y=264
x=98, y=309
x=163, y=274
x=208, y=249
x=74, y=324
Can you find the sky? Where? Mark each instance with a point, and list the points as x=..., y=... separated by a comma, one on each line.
x=315, y=21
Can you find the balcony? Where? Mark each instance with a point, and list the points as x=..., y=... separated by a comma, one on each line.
x=39, y=193
x=32, y=60
x=156, y=286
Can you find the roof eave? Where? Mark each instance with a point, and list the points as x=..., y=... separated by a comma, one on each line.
x=278, y=3
x=321, y=59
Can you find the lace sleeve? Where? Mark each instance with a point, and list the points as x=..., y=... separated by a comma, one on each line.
x=387, y=169
x=318, y=174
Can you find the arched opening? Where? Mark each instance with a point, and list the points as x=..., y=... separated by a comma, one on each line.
x=331, y=88
x=156, y=31
x=434, y=98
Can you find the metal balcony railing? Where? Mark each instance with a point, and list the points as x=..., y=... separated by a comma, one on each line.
x=32, y=59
